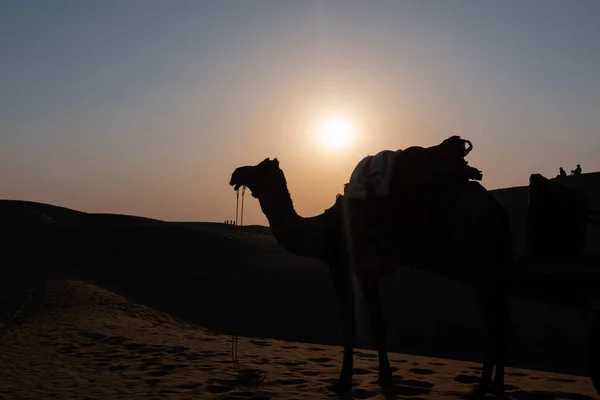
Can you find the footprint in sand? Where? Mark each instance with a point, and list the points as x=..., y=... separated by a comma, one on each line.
x=287, y=382
x=245, y=396
x=289, y=347
x=543, y=395
x=309, y=373
x=361, y=371
x=261, y=343
x=188, y=386
x=466, y=379
x=411, y=387
x=363, y=394
x=217, y=389
x=133, y=346
x=103, y=364
x=158, y=373
x=115, y=340
x=176, y=349
x=148, y=364
x=94, y=336
x=220, y=385
x=120, y=367
x=422, y=371
x=193, y=357
x=562, y=380
x=411, y=391
x=320, y=360
x=364, y=355
x=167, y=392
x=291, y=363
x=415, y=383
x=149, y=350
x=317, y=349
x=331, y=381
x=437, y=364
x=329, y=366
x=515, y=374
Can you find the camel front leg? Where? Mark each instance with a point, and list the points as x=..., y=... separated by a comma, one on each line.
x=378, y=329
x=343, y=286
x=498, y=332
x=503, y=337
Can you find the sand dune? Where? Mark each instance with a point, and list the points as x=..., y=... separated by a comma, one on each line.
x=82, y=341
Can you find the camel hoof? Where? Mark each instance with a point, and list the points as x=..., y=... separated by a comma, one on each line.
x=497, y=389
x=341, y=387
x=385, y=381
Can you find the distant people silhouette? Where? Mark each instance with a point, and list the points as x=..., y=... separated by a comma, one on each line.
x=576, y=171
x=562, y=172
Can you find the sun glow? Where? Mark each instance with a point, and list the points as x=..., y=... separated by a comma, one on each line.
x=335, y=133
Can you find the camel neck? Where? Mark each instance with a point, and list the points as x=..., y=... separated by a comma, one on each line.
x=301, y=236
x=278, y=206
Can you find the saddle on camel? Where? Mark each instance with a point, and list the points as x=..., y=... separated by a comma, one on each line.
x=424, y=180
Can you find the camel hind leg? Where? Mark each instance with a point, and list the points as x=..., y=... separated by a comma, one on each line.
x=378, y=329
x=342, y=281
x=502, y=338
x=480, y=233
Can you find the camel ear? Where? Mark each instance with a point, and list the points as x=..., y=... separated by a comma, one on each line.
x=276, y=162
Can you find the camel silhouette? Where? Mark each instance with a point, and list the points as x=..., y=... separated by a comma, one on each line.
x=436, y=218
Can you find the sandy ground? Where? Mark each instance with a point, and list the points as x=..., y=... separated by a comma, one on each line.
x=239, y=280
x=84, y=342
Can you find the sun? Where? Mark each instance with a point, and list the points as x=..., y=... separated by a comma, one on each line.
x=335, y=133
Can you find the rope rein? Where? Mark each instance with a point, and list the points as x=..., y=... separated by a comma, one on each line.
x=247, y=378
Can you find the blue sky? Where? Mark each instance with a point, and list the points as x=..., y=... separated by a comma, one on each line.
x=146, y=107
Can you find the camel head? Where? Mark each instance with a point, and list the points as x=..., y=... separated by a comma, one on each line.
x=258, y=178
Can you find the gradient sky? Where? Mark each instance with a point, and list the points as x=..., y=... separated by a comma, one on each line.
x=146, y=107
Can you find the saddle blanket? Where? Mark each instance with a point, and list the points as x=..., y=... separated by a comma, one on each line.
x=374, y=173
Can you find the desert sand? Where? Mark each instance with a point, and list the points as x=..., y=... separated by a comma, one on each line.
x=83, y=341
x=121, y=307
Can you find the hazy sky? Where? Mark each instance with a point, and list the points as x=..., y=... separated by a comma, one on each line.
x=146, y=107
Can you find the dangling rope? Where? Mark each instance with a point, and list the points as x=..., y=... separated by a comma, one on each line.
x=237, y=203
x=242, y=213
x=247, y=378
